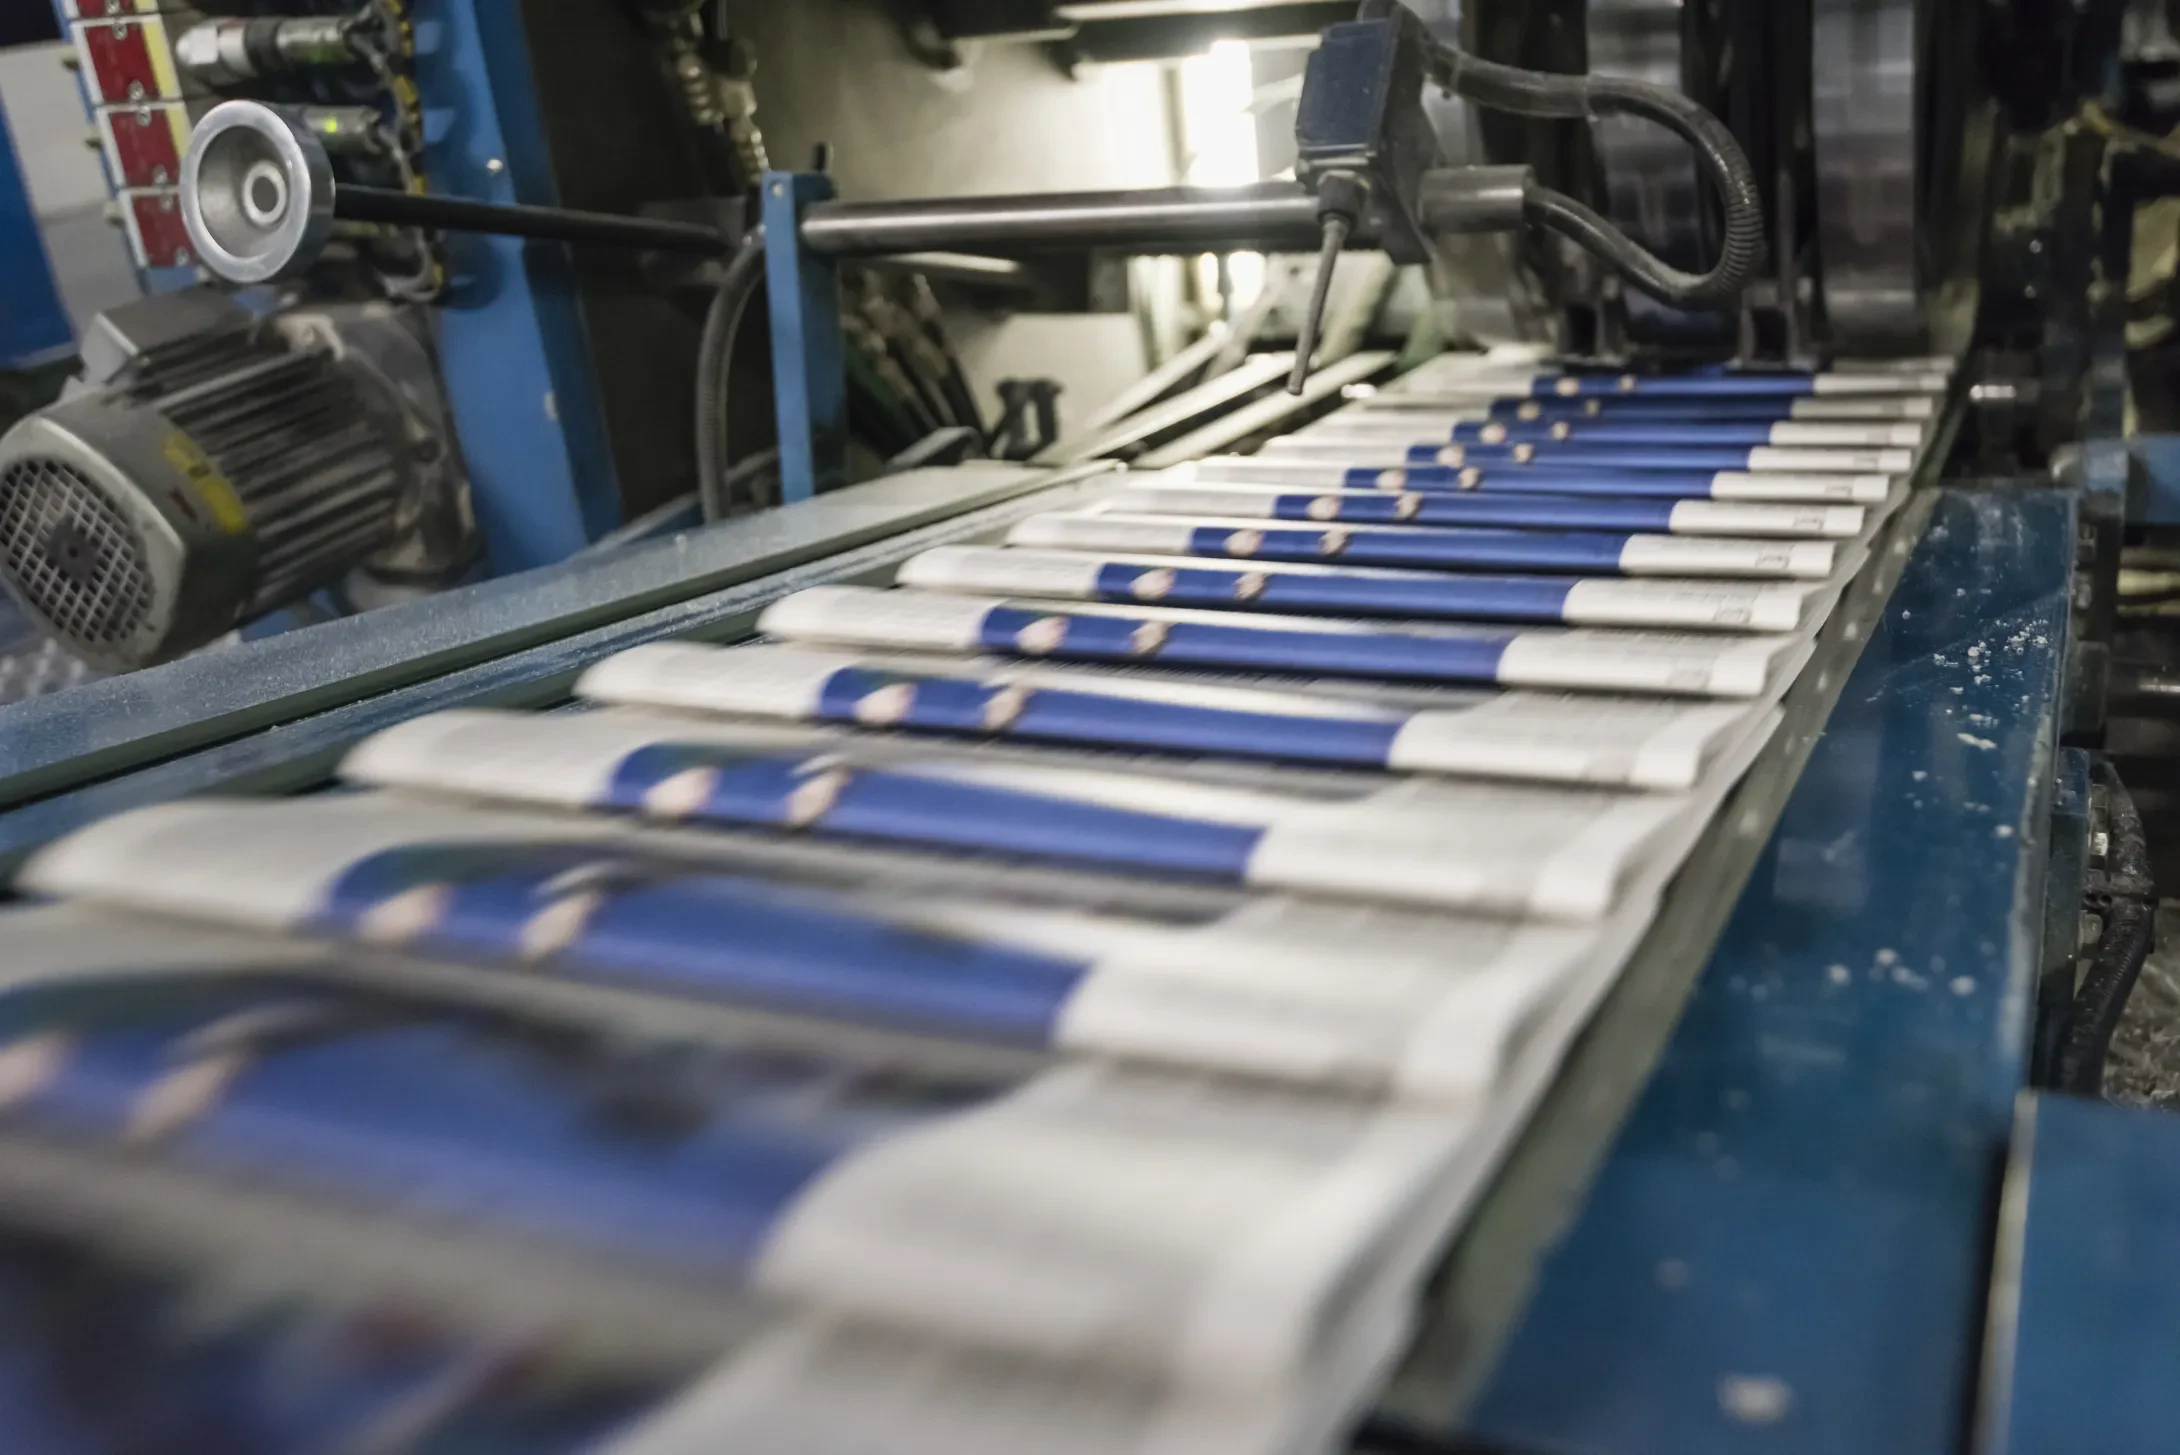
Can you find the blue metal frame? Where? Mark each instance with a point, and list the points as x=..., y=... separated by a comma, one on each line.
x=809, y=365
x=511, y=339
x=34, y=328
x=2066, y=884
x=1787, y=1250
x=2085, y=1328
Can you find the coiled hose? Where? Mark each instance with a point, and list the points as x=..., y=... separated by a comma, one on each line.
x=1543, y=94
x=2129, y=928
x=715, y=488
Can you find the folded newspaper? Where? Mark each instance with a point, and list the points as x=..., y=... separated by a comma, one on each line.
x=1454, y=548
x=1630, y=742
x=1356, y=591
x=1685, y=459
x=1551, y=851
x=105, y=1355
x=1223, y=1234
x=1374, y=503
x=1682, y=664
x=1346, y=462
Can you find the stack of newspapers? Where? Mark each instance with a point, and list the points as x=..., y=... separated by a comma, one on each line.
x=1062, y=1001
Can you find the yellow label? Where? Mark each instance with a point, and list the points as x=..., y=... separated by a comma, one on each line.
x=161, y=56
x=213, y=488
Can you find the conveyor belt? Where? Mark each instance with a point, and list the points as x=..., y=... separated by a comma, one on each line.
x=1117, y=955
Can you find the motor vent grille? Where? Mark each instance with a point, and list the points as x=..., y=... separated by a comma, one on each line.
x=71, y=555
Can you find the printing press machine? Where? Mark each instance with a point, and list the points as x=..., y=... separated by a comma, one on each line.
x=1812, y=1164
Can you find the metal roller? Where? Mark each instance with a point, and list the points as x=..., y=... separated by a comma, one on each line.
x=1863, y=92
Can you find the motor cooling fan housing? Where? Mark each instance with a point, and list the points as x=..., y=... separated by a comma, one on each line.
x=215, y=480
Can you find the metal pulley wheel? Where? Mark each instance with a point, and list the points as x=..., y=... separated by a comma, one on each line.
x=1903, y=132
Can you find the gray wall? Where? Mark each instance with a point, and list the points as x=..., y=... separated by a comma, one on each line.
x=838, y=71
x=89, y=256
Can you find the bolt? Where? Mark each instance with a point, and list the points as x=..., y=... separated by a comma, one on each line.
x=1755, y=1399
x=494, y=165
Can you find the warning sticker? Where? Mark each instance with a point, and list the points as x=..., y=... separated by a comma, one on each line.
x=213, y=488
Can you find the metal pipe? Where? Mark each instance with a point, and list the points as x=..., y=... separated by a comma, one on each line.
x=1270, y=217
x=2143, y=689
x=259, y=196
x=1273, y=217
x=554, y=224
x=963, y=268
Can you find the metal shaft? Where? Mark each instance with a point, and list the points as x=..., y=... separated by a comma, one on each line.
x=1271, y=216
x=554, y=224
x=1274, y=216
x=2142, y=689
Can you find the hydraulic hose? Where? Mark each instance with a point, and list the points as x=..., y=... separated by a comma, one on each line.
x=1543, y=94
x=714, y=351
x=2129, y=928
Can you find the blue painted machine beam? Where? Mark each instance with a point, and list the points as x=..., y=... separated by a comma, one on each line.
x=1788, y=1249
x=511, y=340
x=2085, y=1322
x=809, y=368
x=33, y=327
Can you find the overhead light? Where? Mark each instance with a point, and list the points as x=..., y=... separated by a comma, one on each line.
x=1218, y=128
x=1089, y=10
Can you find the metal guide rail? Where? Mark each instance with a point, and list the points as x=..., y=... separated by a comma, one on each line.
x=1063, y=986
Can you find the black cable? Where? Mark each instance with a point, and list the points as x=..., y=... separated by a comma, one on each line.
x=1336, y=226
x=747, y=471
x=923, y=306
x=2129, y=928
x=1543, y=94
x=713, y=353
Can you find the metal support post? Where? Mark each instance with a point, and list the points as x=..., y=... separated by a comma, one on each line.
x=809, y=370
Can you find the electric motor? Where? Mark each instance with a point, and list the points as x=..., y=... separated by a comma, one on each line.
x=221, y=473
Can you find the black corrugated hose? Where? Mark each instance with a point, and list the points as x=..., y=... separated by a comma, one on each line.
x=715, y=491
x=1543, y=94
x=2129, y=928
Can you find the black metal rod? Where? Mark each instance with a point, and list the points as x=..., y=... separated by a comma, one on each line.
x=553, y=224
x=1271, y=216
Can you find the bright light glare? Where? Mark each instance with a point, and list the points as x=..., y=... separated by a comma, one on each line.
x=1220, y=133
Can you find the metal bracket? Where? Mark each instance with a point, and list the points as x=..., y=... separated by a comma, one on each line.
x=1361, y=113
x=809, y=368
